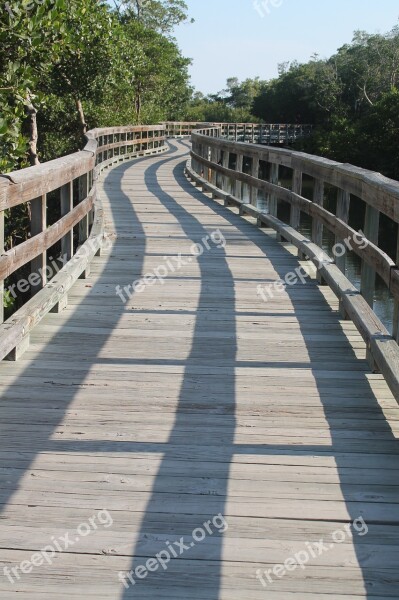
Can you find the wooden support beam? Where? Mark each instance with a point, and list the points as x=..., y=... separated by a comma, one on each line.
x=395, y=326
x=1, y=252
x=238, y=184
x=66, y=207
x=295, y=215
x=274, y=174
x=226, y=160
x=84, y=223
x=371, y=229
x=254, y=173
x=343, y=204
x=38, y=225
x=317, y=225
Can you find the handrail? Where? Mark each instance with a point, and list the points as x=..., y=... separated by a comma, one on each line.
x=75, y=177
x=217, y=165
x=261, y=133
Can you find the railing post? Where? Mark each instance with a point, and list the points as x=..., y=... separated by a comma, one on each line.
x=66, y=207
x=371, y=228
x=395, y=325
x=2, y=240
x=84, y=223
x=238, y=184
x=206, y=152
x=295, y=215
x=343, y=203
x=274, y=173
x=317, y=226
x=255, y=173
x=226, y=160
x=214, y=159
x=38, y=225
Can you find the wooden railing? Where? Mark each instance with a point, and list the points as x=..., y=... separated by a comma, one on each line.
x=259, y=133
x=79, y=231
x=224, y=167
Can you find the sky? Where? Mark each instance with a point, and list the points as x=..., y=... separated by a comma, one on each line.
x=231, y=38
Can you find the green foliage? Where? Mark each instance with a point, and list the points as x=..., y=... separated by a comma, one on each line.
x=29, y=40
x=159, y=15
x=78, y=61
x=68, y=65
x=85, y=64
x=351, y=98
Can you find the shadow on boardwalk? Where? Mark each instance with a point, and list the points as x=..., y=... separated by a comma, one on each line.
x=363, y=463
x=360, y=452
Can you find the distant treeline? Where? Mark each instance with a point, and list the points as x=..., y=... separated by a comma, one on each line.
x=352, y=98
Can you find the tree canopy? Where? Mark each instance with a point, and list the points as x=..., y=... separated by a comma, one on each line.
x=351, y=98
x=67, y=65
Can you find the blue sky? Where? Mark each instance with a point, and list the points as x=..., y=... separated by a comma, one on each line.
x=230, y=38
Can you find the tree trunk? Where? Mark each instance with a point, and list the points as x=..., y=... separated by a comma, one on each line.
x=138, y=106
x=33, y=133
x=82, y=120
x=139, y=9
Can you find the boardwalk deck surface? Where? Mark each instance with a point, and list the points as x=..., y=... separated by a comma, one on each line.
x=194, y=399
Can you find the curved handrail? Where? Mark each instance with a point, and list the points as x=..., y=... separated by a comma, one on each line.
x=261, y=133
x=80, y=207
x=211, y=155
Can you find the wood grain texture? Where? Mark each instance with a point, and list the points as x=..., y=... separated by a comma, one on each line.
x=196, y=397
x=378, y=261
x=376, y=190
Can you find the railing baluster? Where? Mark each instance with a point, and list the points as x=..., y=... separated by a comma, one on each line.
x=295, y=215
x=238, y=184
x=84, y=223
x=395, y=325
x=38, y=225
x=255, y=173
x=343, y=204
x=274, y=175
x=226, y=160
x=1, y=252
x=66, y=207
x=371, y=228
x=317, y=226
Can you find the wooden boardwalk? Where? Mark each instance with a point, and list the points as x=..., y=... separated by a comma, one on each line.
x=195, y=399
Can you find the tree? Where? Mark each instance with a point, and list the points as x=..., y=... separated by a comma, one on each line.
x=30, y=40
x=85, y=64
x=160, y=15
x=155, y=74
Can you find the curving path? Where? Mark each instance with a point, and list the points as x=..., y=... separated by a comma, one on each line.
x=195, y=410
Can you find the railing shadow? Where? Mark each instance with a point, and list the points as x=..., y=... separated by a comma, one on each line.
x=364, y=457
x=34, y=405
x=363, y=445
x=194, y=503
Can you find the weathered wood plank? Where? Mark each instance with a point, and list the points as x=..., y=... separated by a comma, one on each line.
x=196, y=397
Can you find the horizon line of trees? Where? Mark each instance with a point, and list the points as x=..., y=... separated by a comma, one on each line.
x=352, y=98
